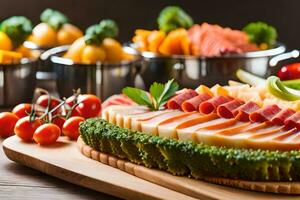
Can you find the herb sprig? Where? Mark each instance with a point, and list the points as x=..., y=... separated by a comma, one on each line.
x=157, y=96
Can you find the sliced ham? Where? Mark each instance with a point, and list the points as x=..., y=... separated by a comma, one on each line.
x=293, y=121
x=264, y=114
x=118, y=99
x=227, y=110
x=212, y=104
x=193, y=103
x=176, y=101
x=243, y=112
x=284, y=114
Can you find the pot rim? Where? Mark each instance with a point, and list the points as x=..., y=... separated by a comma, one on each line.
x=23, y=62
x=54, y=58
x=279, y=49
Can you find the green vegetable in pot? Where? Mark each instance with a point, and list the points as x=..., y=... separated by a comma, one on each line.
x=18, y=28
x=109, y=28
x=261, y=33
x=54, y=18
x=173, y=17
x=95, y=34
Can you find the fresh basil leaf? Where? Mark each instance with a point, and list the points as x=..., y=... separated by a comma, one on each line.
x=139, y=96
x=156, y=89
x=169, y=90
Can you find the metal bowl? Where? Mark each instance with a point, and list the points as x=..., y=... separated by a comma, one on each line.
x=17, y=82
x=44, y=69
x=101, y=79
x=190, y=71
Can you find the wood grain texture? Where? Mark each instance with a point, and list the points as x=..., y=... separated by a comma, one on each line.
x=64, y=161
x=191, y=187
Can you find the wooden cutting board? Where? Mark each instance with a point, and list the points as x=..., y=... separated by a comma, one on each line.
x=65, y=161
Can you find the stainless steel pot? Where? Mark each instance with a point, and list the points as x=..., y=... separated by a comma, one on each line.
x=190, y=71
x=44, y=69
x=101, y=79
x=17, y=82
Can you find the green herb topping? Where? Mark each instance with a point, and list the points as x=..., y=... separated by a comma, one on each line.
x=95, y=34
x=54, y=18
x=18, y=28
x=157, y=96
x=173, y=17
x=260, y=32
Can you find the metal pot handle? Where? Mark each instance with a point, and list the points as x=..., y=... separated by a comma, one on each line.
x=275, y=60
x=47, y=54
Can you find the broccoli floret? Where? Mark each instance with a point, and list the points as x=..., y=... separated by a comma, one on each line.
x=173, y=17
x=18, y=28
x=188, y=158
x=54, y=18
x=261, y=33
x=96, y=33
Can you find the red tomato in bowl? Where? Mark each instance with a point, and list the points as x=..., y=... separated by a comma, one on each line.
x=46, y=134
x=89, y=106
x=7, y=123
x=24, y=129
x=71, y=127
x=22, y=110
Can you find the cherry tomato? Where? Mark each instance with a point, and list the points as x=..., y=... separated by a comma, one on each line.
x=89, y=106
x=43, y=101
x=25, y=129
x=70, y=103
x=71, y=127
x=290, y=72
x=59, y=121
x=7, y=123
x=46, y=134
x=22, y=110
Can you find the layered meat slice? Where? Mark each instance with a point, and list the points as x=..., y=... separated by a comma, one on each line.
x=212, y=129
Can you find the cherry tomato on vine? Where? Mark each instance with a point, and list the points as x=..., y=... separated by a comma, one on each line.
x=70, y=103
x=43, y=101
x=7, y=123
x=71, y=127
x=46, y=134
x=22, y=110
x=25, y=129
x=89, y=106
x=59, y=121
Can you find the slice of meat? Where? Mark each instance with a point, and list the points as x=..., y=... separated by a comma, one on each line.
x=193, y=103
x=264, y=114
x=118, y=99
x=212, y=104
x=176, y=101
x=243, y=112
x=227, y=110
x=293, y=121
x=279, y=118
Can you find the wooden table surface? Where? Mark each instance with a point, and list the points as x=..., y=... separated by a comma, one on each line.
x=20, y=182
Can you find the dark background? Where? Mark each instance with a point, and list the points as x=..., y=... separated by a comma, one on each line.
x=132, y=14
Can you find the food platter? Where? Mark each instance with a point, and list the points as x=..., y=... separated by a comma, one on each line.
x=86, y=172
